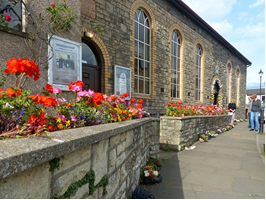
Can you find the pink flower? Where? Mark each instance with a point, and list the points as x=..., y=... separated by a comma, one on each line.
x=8, y=18
x=52, y=5
x=91, y=93
x=56, y=90
x=76, y=88
x=82, y=94
x=63, y=118
x=73, y=118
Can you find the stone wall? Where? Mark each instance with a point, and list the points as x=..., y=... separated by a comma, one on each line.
x=117, y=150
x=175, y=132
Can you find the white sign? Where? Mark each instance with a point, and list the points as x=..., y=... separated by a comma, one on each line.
x=122, y=79
x=65, y=65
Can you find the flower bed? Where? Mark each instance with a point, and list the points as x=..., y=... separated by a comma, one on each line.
x=23, y=114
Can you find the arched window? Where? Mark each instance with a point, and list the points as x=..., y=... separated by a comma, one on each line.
x=142, y=63
x=237, y=86
x=175, y=65
x=228, y=84
x=198, y=72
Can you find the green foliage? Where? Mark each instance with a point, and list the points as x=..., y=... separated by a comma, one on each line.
x=88, y=178
x=61, y=16
x=54, y=164
x=166, y=149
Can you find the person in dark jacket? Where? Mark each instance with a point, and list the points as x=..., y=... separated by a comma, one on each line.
x=255, y=109
x=232, y=110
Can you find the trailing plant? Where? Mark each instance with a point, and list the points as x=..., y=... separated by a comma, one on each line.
x=54, y=164
x=88, y=178
x=155, y=163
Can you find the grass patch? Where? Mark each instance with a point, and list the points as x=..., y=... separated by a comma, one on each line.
x=260, y=133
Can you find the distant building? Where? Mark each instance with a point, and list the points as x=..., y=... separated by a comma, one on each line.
x=173, y=54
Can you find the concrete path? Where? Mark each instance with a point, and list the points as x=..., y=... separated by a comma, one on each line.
x=229, y=166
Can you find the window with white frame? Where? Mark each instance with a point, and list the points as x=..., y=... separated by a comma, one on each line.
x=142, y=61
x=198, y=72
x=12, y=11
x=175, y=65
x=228, y=84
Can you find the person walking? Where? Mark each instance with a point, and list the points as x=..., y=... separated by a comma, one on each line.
x=249, y=110
x=232, y=110
x=254, y=114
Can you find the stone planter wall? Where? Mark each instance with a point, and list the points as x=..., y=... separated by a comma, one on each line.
x=175, y=132
x=117, y=150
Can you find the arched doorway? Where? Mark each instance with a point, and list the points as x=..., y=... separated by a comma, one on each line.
x=91, y=67
x=216, y=92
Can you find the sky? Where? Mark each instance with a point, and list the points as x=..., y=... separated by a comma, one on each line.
x=242, y=24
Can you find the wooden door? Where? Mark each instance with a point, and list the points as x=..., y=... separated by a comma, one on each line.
x=91, y=76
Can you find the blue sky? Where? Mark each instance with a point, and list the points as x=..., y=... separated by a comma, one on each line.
x=241, y=23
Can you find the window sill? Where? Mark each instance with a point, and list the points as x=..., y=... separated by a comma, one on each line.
x=143, y=96
x=13, y=31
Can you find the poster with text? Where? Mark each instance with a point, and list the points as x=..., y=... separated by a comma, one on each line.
x=65, y=64
x=122, y=81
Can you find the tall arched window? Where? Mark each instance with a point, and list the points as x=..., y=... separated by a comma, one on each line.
x=228, y=84
x=142, y=63
x=237, y=86
x=175, y=58
x=198, y=72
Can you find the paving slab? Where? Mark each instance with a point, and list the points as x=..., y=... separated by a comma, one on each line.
x=229, y=166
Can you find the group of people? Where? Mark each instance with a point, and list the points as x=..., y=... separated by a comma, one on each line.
x=253, y=111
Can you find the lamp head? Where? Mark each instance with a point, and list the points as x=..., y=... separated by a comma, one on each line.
x=260, y=73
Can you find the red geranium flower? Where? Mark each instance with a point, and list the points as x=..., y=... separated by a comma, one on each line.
x=49, y=88
x=179, y=102
x=139, y=106
x=78, y=83
x=125, y=94
x=132, y=100
x=52, y=5
x=141, y=101
x=174, y=104
x=168, y=104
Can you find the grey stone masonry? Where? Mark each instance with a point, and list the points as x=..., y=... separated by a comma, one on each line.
x=175, y=132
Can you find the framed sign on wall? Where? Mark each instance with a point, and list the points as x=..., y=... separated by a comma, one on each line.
x=65, y=65
x=122, y=80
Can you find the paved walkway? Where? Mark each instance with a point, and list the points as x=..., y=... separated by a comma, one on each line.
x=229, y=166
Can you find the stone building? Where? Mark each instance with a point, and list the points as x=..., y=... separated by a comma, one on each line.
x=172, y=53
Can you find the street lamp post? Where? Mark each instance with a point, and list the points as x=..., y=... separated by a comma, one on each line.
x=261, y=110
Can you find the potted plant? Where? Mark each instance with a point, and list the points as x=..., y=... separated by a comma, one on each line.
x=150, y=176
x=141, y=193
x=155, y=163
x=188, y=146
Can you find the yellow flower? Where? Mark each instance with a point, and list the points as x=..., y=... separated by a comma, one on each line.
x=60, y=126
x=68, y=123
x=59, y=120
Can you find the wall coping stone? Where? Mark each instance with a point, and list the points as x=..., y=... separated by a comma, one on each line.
x=190, y=117
x=17, y=155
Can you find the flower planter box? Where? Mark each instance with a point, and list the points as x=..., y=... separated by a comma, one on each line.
x=175, y=132
x=117, y=150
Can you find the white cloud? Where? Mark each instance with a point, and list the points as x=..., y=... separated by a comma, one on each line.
x=222, y=27
x=211, y=10
x=256, y=4
x=262, y=14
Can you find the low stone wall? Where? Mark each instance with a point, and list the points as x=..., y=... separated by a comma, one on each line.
x=175, y=132
x=86, y=157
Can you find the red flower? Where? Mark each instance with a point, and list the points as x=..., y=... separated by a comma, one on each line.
x=125, y=94
x=12, y=93
x=19, y=66
x=32, y=119
x=50, y=127
x=179, y=102
x=68, y=105
x=0, y=92
x=49, y=88
x=8, y=18
x=174, y=104
x=168, y=104
x=132, y=100
x=191, y=105
x=97, y=100
x=52, y=5
x=139, y=106
x=141, y=101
